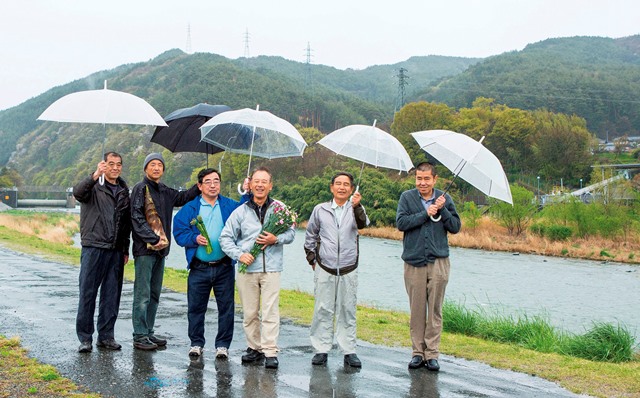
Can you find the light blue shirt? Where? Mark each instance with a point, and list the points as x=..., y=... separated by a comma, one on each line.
x=212, y=219
x=428, y=202
x=338, y=210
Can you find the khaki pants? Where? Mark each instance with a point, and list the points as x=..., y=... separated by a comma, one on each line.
x=425, y=287
x=261, y=290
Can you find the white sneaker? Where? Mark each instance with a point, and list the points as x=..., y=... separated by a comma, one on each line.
x=222, y=352
x=195, y=351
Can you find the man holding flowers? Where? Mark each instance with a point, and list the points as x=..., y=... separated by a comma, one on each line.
x=197, y=227
x=248, y=225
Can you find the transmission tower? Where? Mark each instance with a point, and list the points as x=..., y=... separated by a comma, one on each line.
x=246, y=43
x=188, y=48
x=402, y=83
x=308, y=66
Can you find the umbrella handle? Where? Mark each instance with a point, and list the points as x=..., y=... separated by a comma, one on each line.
x=101, y=179
x=435, y=219
x=240, y=190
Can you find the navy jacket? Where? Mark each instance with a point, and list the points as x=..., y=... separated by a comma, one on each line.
x=425, y=240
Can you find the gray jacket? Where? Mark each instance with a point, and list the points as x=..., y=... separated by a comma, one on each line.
x=337, y=251
x=240, y=232
x=425, y=240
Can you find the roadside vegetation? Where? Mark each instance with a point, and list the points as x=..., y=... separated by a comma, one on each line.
x=601, y=362
x=21, y=376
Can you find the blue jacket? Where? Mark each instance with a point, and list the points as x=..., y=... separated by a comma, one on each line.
x=186, y=234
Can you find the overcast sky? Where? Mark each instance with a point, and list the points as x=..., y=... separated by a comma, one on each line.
x=46, y=43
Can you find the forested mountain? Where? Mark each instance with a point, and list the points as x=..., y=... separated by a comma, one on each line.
x=593, y=77
x=48, y=153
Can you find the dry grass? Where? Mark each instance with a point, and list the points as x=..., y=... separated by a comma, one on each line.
x=488, y=235
x=42, y=225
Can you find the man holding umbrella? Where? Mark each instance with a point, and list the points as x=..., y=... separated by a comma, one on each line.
x=151, y=201
x=425, y=251
x=105, y=226
x=331, y=242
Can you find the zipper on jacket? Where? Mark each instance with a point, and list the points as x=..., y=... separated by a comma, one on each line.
x=338, y=254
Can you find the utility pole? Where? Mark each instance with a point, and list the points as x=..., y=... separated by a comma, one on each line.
x=188, y=47
x=402, y=83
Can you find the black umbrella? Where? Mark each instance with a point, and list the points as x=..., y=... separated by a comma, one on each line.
x=183, y=131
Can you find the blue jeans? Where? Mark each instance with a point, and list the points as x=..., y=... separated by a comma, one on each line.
x=203, y=278
x=146, y=294
x=101, y=269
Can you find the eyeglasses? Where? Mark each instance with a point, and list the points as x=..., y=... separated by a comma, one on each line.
x=211, y=182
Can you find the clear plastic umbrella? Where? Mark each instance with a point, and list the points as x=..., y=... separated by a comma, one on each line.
x=370, y=145
x=467, y=159
x=254, y=133
x=102, y=107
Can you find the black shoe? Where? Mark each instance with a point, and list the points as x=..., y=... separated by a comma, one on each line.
x=85, y=346
x=252, y=355
x=352, y=360
x=145, y=344
x=432, y=364
x=157, y=340
x=319, y=359
x=109, y=344
x=416, y=362
x=271, y=362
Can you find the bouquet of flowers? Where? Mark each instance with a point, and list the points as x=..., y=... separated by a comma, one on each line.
x=281, y=220
x=203, y=231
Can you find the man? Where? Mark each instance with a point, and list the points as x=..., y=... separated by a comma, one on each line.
x=207, y=271
x=149, y=250
x=261, y=282
x=426, y=215
x=331, y=241
x=105, y=225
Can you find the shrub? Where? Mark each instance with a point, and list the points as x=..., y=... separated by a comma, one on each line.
x=558, y=232
x=471, y=215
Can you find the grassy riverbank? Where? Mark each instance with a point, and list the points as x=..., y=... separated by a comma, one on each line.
x=597, y=378
x=488, y=235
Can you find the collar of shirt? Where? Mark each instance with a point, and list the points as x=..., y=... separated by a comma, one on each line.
x=427, y=202
x=338, y=210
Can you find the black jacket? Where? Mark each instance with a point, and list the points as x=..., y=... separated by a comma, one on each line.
x=105, y=220
x=164, y=199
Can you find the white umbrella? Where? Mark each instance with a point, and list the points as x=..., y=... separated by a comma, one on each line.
x=104, y=107
x=254, y=133
x=370, y=145
x=468, y=159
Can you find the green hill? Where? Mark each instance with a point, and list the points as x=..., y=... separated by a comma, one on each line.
x=593, y=77
x=48, y=153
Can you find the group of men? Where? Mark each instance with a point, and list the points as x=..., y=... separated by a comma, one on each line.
x=110, y=215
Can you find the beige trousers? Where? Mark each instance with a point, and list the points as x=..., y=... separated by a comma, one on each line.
x=260, y=296
x=425, y=287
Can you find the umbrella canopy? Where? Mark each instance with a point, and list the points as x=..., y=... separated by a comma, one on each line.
x=102, y=106
x=183, y=131
x=370, y=145
x=467, y=158
x=254, y=133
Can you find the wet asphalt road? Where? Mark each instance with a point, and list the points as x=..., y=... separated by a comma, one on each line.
x=38, y=301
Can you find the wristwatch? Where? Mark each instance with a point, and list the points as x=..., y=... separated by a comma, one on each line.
x=277, y=240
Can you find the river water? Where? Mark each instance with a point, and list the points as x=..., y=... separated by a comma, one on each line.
x=571, y=294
